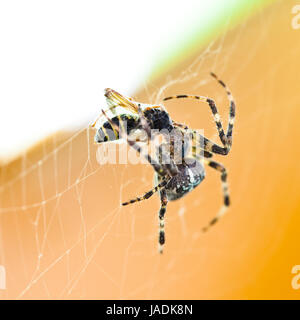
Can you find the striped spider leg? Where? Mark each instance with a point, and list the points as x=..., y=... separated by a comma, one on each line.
x=219, y=167
x=226, y=139
x=207, y=147
x=161, y=216
x=223, y=209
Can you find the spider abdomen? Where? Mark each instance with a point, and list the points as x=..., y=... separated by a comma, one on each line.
x=188, y=178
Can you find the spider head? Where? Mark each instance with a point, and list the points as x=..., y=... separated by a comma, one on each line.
x=158, y=118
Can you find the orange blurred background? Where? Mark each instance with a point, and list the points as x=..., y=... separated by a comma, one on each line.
x=63, y=233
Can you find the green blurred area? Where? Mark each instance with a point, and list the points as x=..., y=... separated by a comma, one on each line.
x=199, y=32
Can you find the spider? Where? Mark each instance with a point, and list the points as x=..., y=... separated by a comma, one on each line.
x=174, y=180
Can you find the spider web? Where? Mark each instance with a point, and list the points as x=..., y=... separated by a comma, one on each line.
x=63, y=233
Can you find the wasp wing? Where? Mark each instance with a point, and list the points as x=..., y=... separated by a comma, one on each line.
x=117, y=105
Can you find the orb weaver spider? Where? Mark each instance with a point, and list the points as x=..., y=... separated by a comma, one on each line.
x=174, y=180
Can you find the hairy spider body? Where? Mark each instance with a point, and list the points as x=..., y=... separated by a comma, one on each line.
x=190, y=175
x=180, y=165
x=158, y=119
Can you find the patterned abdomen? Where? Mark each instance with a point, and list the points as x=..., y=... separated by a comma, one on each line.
x=189, y=177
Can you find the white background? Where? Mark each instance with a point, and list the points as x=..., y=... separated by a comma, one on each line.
x=56, y=57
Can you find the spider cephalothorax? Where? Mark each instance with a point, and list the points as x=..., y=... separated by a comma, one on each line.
x=158, y=119
x=179, y=167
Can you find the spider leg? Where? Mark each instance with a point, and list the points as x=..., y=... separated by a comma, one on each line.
x=231, y=110
x=214, y=111
x=207, y=152
x=180, y=125
x=225, y=139
x=224, y=208
x=147, y=195
x=207, y=145
x=161, y=215
x=204, y=154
